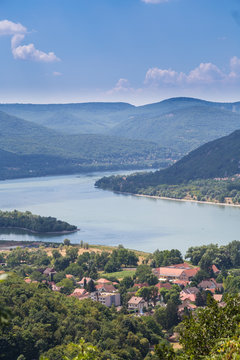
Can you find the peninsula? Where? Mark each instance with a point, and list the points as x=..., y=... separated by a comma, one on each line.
x=34, y=223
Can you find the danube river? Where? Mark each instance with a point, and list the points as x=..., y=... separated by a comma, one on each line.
x=111, y=219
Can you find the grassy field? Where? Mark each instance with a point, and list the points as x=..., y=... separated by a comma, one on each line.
x=119, y=274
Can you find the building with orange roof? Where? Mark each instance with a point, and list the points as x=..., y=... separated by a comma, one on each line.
x=79, y=293
x=215, y=270
x=162, y=285
x=172, y=273
x=103, y=281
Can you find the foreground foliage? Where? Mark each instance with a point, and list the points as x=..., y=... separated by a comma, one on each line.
x=44, y=322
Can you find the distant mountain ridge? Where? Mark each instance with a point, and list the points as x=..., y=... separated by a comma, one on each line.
x=29, y=149
x=181, y=124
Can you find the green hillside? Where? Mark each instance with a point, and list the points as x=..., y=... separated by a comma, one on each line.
x=216, y=159
x=28, y=149
x=182, y=124
x=182, y=129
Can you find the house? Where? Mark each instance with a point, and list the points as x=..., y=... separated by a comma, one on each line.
x=172, y=273
x=105, y=298
x=162, y=285
x=103, y=281
x=215, y=270
x=49, y=272
x=136, y=303
x=181, y=283
x=218, y=297
x=139, y=286
x=190, y=273
x=189, y=293
x=210, y=285
x=55, y=287
x=85, y=280
x=186, y=305
x=106, y=288
x=69, y=276
x=27, y=280
x=79, y=293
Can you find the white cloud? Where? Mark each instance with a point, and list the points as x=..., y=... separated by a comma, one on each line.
x=154, y=1
x=56, y=73
x=121, y=86
x=29, y=52
x=204, y=74
x=24, y=52
x=166, y=76
x=10, y=28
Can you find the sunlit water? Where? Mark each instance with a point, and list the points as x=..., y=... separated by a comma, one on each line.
x=111, y=219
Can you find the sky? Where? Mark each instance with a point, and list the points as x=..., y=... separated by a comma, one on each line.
x=136, y=51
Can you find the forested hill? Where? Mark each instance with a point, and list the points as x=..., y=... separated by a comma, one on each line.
x=182, y=128
x=28, y=149
x=182, y=124
x=218, y=158
x=34, y=223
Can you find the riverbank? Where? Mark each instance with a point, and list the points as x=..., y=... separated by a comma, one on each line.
x=184, y=200
x=64, y=232
x=174, y=199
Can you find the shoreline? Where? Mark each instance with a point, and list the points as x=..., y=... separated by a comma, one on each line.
x=41, y=233
x=174, y=199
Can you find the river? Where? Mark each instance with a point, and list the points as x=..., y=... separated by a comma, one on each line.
x=110, y=219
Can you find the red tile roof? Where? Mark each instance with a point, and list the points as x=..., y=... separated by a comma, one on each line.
x=141, y=285
x=191, y=297
x=180, y=282
x=215, y=269
x=103, y=281
x=161, y=285
x=218, y=297
x=191, y=272
x=168, y=271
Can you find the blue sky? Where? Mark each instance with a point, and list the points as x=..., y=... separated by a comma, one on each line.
x=138, y=51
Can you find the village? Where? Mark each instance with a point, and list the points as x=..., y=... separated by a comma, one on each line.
x=175, y=276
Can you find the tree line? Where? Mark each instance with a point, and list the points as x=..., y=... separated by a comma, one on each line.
x=26, y=220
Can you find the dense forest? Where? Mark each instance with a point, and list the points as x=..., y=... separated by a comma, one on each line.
x=44, y=322
x=217, y=191
x=35, y=223
x=217, y=159
x=209, y=173
x=28, y=149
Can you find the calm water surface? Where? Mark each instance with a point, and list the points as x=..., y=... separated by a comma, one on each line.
x=111, y=219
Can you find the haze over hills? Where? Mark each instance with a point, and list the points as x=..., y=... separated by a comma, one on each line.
x=82, y=118
x=109, y=135
x=183, y=130
x=216, y=159
x=29, y=149
x=181, y=124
